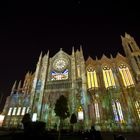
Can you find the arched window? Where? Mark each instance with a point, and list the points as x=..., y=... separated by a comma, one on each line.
x=137, y=105
x=117, y=110
x=108, y=77
x=80, y=113
x=92, y=78
x=126, y=76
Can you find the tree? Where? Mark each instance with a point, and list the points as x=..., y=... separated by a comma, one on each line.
x=73, y=120
x=61, y=110
x=32, y=128
x=26, y=121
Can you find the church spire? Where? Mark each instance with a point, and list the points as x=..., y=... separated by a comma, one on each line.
x=81, y=52
x=40, y=58
x=96, y=58
x=48, y=53
x=14, y=87
x=19, y=86
x=111, y=56
x=73, y=51
x=132, y=52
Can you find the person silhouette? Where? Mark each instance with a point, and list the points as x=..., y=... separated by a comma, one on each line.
x=120, y=137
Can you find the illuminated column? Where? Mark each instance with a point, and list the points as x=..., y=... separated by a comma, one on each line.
x=84, y=90
x=73, y=78
x=43, y=78
x=33, y=92
x=88, y=79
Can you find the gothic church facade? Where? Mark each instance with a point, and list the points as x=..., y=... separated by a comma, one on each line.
x=103, y=92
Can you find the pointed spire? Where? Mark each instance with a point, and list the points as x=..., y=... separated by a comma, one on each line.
x=111, y=56
x=127, y=35
x=45, y=57
x=19, y=85
x=72, y=49
x=14, y=87
x=77, y=51
x=40, y=58
x=48, y=53
x=96, y=58
x=122, y=38
x=81, y=50
x=104, y=57
x=27, y=74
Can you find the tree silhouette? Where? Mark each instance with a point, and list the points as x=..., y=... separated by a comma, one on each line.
x=73, y=120
x=26, y=121
x=61, y=110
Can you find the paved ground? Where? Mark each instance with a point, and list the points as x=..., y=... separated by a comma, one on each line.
x=10, y=135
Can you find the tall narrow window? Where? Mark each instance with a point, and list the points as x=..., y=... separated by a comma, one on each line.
x=28, y=108
x=18, y=111
x=14, y=111
x=80, y=113
x=120, y=111
x=23, y=110
x=10, y=111
x=126, y=76
x=97, y=111
x=117, y=110
x=108, y=77
x=92, y=78
x=137, y=108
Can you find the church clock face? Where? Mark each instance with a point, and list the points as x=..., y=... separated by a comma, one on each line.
x=60, y=64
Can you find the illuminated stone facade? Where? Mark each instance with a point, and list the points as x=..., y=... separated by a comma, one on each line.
x=104, y=93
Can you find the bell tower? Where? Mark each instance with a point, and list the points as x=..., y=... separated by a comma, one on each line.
x=132, y=52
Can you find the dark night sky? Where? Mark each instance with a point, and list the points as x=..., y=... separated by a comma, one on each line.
x=26, y=29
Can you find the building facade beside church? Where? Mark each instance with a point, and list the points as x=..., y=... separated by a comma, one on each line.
x=103, y=92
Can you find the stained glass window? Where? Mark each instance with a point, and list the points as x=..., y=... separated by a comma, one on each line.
x=59, y=75
x=117, y=110
x=108, y=77
x=97, y=111
x=92, y=78
x=60, y=64
x=126, y=76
